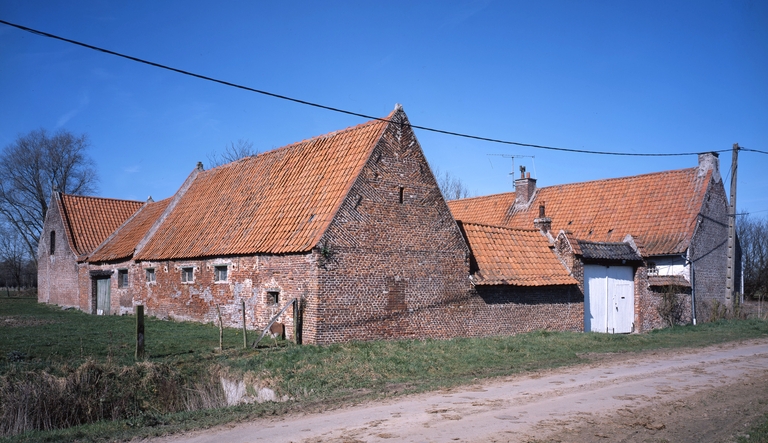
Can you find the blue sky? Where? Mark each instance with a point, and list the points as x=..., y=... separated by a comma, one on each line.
x=645, y=76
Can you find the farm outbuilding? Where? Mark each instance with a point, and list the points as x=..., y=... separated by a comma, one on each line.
x=352, y=226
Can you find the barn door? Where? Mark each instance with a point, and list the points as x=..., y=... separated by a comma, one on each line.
x=609, y=302
x=621, y=290
x=595, y=299
x=102, y=296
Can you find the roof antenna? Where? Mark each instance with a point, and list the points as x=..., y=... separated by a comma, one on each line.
x=513, y=157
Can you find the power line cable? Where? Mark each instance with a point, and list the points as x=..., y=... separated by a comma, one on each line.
x=343, y=111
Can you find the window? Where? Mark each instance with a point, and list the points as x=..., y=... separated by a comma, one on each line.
x=53, y=242
x=220, y=273
x=122, y=278
x=402, y=192
x=273, y=297
x=150, y=275
x=187, y=275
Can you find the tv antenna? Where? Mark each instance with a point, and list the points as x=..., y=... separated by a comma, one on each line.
x=522, y=168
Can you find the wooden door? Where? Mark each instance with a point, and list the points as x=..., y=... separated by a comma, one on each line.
x=102, y=296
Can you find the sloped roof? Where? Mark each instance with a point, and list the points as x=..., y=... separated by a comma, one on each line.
x=520, y=257
x=668, y=280
x=122, y=243
x=660, y=209
x=280, y=201
x=607, y=251
x=90, y=220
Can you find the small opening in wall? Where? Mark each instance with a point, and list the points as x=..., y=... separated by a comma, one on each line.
x=402, y=193
x=187, y=275
x=122, y=278
x=53, y=242
x=220, y=273
x=273, y=297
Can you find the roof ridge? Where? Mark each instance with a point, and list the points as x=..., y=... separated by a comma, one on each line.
x=168, y=209
x=94, y=197
x=626, y=177
x=307, y=140
x=116, y=231
x=507, y=228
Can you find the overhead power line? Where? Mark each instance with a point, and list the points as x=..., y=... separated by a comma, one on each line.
x=344, y=111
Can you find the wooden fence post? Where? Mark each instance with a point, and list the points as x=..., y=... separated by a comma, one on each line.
x=221, y=329
x=245, y=333
x=139, y=332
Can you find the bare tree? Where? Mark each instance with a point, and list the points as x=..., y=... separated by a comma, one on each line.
x=451, y=187
x=753, y=237
x=34, y=165
x=233, y=151
x=14, y=258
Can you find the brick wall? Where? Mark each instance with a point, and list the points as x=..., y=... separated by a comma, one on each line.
x=392, y=268
x=57, y=271
x=709, y=250
x=249, y=279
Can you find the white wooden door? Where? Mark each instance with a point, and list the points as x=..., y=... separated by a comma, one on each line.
x=102, y=296
x=609, y=302
x=595, y=298
x=621, y=291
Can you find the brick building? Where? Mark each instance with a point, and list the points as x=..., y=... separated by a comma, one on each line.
x=629, y=242
x=353, y=225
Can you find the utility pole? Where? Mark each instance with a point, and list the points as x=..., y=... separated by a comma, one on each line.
x=730, y=277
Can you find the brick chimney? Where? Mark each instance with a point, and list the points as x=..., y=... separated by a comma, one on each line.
x=543, y=224
x=525, y=187
x=710, y=161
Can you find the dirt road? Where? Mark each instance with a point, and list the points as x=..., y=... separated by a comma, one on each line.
x=710, y=394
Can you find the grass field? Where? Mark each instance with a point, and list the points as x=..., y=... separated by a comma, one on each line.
x=44, y=339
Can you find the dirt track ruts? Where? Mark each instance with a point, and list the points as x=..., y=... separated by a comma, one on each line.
x=705, y=394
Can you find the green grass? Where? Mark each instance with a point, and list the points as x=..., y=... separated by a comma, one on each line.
x=315, y=377
x=757, y=434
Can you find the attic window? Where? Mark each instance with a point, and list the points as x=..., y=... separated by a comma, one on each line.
x=220, y=274
x=122, y=278
x=402, y=193
x=53, y=242
x=273, y=297
x=187, y=275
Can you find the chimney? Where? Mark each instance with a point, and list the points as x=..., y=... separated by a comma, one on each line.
x=709, y=161
x=525, y=187
x=543, y=224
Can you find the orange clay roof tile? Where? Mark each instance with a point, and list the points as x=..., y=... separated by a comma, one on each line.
x=91, y=220
x=659, y=209
x=520, y=257
x=281, y=201
x=121, y=243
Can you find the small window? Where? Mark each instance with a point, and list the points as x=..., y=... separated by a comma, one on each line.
x=122, y=278
x=53, y=243
x=273, y=297
x=402, y=193
x=150, y=275
x=187, y=275
x=220, y=273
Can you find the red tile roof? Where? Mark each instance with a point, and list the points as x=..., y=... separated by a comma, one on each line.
x=122, y=243
x=520, y=257
x=280, y=201
x=659, y=209
x=90, y=220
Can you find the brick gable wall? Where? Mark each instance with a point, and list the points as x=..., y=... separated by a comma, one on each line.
x=709, y=250
x=57, y=272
